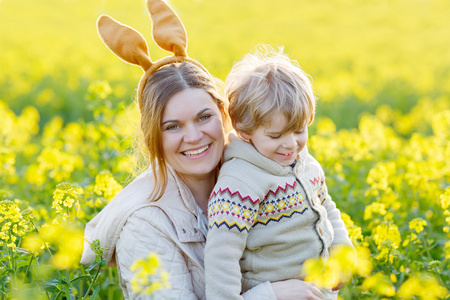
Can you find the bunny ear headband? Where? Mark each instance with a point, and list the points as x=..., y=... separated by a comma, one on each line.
x=127, y=43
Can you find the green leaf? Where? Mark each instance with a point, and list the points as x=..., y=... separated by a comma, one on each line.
x=52, y=284
x=23, y=263
x=95, y=293
x=76, y=278
x=93, y=265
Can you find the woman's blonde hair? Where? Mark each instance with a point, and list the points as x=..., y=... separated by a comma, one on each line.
x=158, y=90
x=267, y=82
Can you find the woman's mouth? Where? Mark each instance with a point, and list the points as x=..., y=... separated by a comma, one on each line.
x=196, y=151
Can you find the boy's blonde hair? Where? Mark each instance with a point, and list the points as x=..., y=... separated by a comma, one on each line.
x=267, y=82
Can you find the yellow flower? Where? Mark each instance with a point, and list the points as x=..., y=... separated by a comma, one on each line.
x=379, y=176
x=417, y=224
x=148, y=275
x=445, y=198
x=66, y=196
x=325, y=126
x=372, y=208
x=423, y=286
x=387, y=238
x=99, y=90
x=53, y=163
x=14, y=223
x=379, y=284
x=319, y=273
x=67, y=241
x=337, y=269
x=33, y=243
x=106, y=186
x=364, y=263
x=447, y=250
x=354, y=232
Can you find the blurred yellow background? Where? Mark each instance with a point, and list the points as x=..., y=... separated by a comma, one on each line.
x=365, y=53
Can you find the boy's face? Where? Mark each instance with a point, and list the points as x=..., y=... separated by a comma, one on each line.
x=273, y=143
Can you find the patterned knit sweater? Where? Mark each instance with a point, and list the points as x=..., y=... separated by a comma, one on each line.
x=265, y=220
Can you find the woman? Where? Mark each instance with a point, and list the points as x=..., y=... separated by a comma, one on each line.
x=161, y=211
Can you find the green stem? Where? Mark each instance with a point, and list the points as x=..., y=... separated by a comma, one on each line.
x=92, y=283
x=57, y=295
x=110, y=287
x=67, y=291
x=66, y=286
x=10, y=256
x=3, y=291
x=68, y=216
x=81, y=283
x=28, y=268
x=436, y=271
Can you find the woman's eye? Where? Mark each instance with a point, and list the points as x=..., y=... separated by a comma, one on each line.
x=204, y=117
x=172, y=127
x=274, y=137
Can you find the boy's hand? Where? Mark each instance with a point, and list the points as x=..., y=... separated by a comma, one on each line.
x=339, y=286
x=295, y=289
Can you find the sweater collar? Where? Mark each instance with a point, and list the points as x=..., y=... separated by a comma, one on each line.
x=238, y=148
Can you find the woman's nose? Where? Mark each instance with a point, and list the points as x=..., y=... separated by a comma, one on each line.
x=192, y=134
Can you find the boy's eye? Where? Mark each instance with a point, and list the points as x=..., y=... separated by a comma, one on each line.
x=274, y=137
x=300, y=131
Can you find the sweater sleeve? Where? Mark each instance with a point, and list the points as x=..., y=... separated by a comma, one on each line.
x=232, y=210
x=134, y=243
x=334, y=216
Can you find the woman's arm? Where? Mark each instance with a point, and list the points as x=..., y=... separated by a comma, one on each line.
x=140, y=237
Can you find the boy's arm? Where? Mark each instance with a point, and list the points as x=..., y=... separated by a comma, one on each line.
x=334, y=216
x=231, y=213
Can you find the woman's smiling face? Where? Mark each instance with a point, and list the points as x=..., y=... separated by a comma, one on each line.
x=192, y=133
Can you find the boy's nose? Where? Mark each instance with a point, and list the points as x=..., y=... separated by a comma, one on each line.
x=289, y=141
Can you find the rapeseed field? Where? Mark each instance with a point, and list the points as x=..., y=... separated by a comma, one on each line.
x=381, y=72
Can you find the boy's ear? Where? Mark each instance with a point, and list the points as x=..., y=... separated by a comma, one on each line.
x=243, y=135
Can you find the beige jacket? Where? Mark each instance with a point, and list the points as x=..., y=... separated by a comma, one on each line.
x=130, y=227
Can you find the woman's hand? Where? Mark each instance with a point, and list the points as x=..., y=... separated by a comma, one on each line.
x=294, y=289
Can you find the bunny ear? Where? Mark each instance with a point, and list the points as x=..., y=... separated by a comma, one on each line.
x=124, y=41
x=168, y=31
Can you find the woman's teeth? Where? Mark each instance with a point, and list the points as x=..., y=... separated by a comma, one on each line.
x=195, y=152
